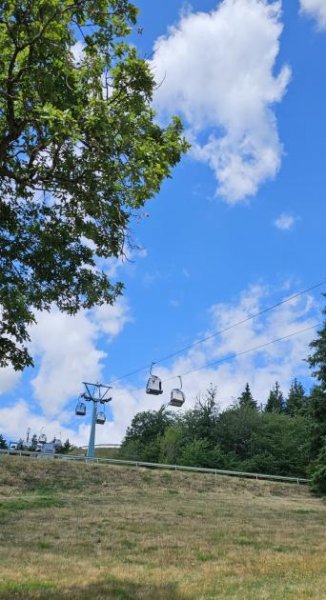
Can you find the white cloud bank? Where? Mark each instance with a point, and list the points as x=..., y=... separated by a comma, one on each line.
x=8, y=379
x=217, y=70
x=70, y=350
x=315, y=9
x=280, y=361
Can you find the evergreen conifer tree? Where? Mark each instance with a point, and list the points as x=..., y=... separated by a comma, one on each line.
x=246, y=399
x=317, y=412
x=296, y=401
x=317, y=362
x=319, y=471
x=275, y=402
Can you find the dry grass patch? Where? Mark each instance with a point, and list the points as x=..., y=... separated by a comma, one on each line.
x=91, y=532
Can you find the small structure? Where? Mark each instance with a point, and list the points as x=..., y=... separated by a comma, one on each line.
x=48, y=448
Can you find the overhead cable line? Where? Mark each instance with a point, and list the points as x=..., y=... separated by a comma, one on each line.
x=249, y=318
x=237, y=354
x=216, y=333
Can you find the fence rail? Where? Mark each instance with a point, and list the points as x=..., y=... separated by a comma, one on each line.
x=150, y=465
x=103, y=446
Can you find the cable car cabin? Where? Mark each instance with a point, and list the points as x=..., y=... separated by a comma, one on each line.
x=177, y=398
x=80, y=409
x=154, y=385
x=100, y=418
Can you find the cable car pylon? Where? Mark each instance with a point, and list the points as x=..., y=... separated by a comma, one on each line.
x=98, y=393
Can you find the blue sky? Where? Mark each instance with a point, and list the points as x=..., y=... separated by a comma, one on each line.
x=238, y=227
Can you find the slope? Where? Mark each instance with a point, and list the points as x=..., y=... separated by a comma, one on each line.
x=88, y=531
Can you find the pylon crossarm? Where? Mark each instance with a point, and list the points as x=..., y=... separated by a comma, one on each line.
x=98, y=393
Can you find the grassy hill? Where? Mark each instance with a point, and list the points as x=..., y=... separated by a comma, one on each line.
x=93, y=532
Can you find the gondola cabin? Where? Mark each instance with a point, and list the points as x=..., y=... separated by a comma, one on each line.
x=100, y=418
x=177, y=398
x=80, y=409
x=154, y=385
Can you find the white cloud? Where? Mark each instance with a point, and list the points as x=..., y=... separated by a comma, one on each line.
x=285, y=221
x=15, y=420
x=67, y=352
x=67, y=349
x=77, y=51
x=217, y=70
x=112, y=266
x=149, y=279
x=315, y=9
x=78, y=55
x=110, y=320
x=8, y=379
x=280, y=361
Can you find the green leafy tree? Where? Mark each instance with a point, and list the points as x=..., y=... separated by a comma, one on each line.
x=3, y=443
x=235, y=431
x=266, y=442
x=296, y=402
x=246, y=399
x=201, y=421
x=172, y=443
x=144, y=435
x=280, y=445
x=145, y=426
x=80, y=153
x=275, y=401
x=196, y=453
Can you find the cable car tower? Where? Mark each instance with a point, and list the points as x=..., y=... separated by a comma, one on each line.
x=98, y=394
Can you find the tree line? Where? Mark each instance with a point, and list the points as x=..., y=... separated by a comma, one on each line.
x=284, y=436
x=33, y=444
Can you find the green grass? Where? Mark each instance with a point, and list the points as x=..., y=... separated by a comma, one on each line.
x=81, y=532
x=99, y=452
x=27, y=503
